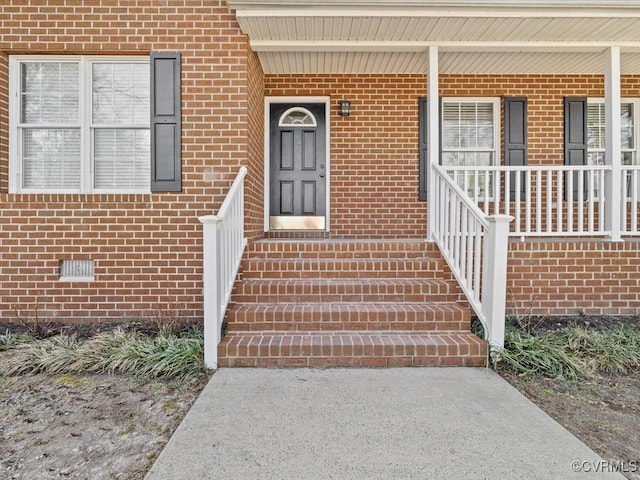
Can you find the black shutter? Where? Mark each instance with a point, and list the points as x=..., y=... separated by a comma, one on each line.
x=515, y=139
x=166, y=161
x=575, y=136
x=423, y=167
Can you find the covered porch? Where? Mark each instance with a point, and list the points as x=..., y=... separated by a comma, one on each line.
x=509, y=120
x=545, y=55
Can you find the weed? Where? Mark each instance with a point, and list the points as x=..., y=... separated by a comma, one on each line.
x=167, y=320
x=33, y=322
x=71, y=380
x=169, y=406
x=614, y=350
x=9, y=341
x=127, y=431
x=523, y=317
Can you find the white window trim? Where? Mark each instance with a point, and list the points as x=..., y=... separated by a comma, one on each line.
x=496, y=123
x=635, y=102
x=86, y=173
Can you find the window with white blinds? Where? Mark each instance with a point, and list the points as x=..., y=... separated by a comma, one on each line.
x=80, y=124
x=596, y=132
x=469, y=132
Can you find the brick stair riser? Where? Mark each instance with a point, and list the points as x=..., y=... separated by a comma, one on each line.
x=267, y=291
x=350, y=362
x=348, y=349
x=341, y=269
x=388, y=317
x=253, y=325
x=277, y=250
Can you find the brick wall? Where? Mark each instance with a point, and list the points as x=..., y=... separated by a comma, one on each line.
x=254, y=196
x=573, y=277
x=146, y=248
x=545, y=94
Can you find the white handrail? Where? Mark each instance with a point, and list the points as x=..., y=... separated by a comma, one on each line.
x=223, y=247
x=474, y=246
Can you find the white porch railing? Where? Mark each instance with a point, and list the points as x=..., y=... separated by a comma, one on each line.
x=554, y=200
x=630, y=199
x=475, y=247
x=224, y=244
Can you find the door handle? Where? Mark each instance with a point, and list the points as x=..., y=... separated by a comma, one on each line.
x=322, y=175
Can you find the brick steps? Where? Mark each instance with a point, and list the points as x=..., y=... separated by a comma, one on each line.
x=346, y=290
x=252, y=317
x=328, y=302
x=342, y=268
x=352, y=349
x=335, y=249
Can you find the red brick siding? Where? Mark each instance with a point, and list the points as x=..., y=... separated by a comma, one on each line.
x=572, y=277
x=147, y=248
x=545, y=94
x=254, y=196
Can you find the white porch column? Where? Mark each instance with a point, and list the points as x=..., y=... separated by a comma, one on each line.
x=613, y=148
x=433, y=129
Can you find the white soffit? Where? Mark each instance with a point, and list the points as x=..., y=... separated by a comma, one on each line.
x=288, y=30
x=450, y=62
x=480, y=36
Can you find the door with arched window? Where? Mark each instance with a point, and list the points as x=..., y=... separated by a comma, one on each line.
x=297, y=166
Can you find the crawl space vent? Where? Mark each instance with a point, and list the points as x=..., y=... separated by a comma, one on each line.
x=76, y=270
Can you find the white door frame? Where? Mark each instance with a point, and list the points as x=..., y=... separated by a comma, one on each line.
x=267, y=149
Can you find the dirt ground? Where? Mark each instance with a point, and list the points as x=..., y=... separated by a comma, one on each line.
x=603, y=412
x=87, y=427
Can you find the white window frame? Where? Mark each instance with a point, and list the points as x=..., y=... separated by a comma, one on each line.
x=496, y=123
x=635, y=103
x=467, y=180
x=86, y=127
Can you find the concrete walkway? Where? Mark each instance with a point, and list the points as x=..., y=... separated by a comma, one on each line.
x=408, y=423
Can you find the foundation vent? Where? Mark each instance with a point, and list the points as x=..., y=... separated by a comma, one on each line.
x=78, y=270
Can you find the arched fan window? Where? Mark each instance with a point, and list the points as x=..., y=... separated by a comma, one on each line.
x=297, y=117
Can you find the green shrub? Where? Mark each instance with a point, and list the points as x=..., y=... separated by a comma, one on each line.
x=572, y=352
x=160, y=355
x=528, y=354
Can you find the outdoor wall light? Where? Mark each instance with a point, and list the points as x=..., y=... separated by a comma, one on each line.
x=345, y=108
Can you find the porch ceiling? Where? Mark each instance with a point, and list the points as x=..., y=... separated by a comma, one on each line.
x=483, y=36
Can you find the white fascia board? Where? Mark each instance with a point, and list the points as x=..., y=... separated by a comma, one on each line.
x=418, y=8
x=380, y=46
